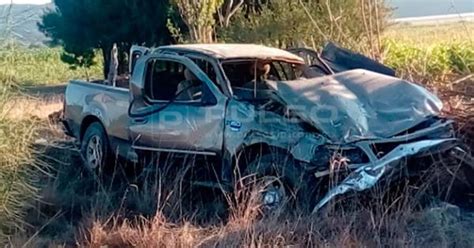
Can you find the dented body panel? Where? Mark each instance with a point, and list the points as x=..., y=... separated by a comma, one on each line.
x=263, y=127
x=359, y=104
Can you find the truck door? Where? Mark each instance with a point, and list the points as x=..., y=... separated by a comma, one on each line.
x=175, y=107
x=136, y=52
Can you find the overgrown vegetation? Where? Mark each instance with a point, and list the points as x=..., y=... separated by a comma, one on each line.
x=40, y=66
x=434, y=34
x=430, y=53
x=18, y=169
x=353, y=24
x=435, y=63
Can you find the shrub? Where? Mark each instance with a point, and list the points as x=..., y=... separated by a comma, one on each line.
x=353, y=24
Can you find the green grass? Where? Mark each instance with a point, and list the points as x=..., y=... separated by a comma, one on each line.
x=433, y=53
x=40, y=66
x=436, y=62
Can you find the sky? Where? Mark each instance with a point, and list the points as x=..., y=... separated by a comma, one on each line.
x=25, y=1
x=404, y=8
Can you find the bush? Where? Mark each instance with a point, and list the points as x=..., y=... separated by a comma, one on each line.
x=280, y=23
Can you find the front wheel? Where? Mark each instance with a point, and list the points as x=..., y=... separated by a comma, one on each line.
x=95, y=148
x=277, y=179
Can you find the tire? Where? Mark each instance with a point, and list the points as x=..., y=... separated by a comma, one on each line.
x=278, y=178
x=95, y=149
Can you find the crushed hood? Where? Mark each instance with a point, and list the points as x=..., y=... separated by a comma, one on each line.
x=358, y=104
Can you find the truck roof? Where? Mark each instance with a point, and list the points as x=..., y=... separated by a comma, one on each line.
x=234, y=51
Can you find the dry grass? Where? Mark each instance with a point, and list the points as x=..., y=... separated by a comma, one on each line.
x=427, y=35
x=378, y=218
x=78, y=209
x=18, y=169
x=20, y=108
x=159, y=211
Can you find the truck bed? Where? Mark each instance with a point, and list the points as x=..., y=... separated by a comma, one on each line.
x=121, y=82
x=95, y=100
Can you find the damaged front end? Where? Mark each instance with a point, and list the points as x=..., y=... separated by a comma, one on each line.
x=372, y=122
x=386, y=157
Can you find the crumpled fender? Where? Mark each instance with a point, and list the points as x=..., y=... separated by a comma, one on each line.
x=246, y=126
x=367, y=176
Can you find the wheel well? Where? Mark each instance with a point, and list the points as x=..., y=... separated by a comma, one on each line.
x=86, y=123
x=249, y=153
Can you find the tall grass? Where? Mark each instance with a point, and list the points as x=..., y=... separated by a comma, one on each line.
x=17, y=168
x=434, y=34
x=382, y=217
x=436, y=62
x=40, y=66
x=430, y=53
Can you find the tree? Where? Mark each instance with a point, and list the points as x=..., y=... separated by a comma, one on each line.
x=199, y=17
x=289, y=23
x=82, y=26
x=227, y=10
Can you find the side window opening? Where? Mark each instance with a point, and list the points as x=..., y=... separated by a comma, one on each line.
x=207, y=68
x=171, y=81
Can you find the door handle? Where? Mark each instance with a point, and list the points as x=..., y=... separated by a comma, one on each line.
x=140, y=120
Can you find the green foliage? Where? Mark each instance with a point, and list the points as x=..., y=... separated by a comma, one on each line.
x=81, y=26
x=434, y=62
x=199, y=17
x=86, y=59
x=40, y=66
x=291, y=23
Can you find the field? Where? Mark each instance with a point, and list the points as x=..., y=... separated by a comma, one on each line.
x=48, y=200
x=431, y=53
x=428, y=35
x=39, y=66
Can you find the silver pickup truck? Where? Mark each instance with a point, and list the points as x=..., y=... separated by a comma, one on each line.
x=262, y=111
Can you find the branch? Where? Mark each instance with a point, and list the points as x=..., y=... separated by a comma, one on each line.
x=231, y=9
x=313, y=21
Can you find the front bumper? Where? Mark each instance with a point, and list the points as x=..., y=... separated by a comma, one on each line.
x=366, y=176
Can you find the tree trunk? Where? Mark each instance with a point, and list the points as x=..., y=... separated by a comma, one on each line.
x=113, y=67
x=106, y=55
x=123, y=58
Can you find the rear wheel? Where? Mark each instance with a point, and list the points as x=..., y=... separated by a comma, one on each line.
x=95, y=149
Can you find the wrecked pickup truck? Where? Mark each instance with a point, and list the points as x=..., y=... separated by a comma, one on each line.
x=261, y=111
